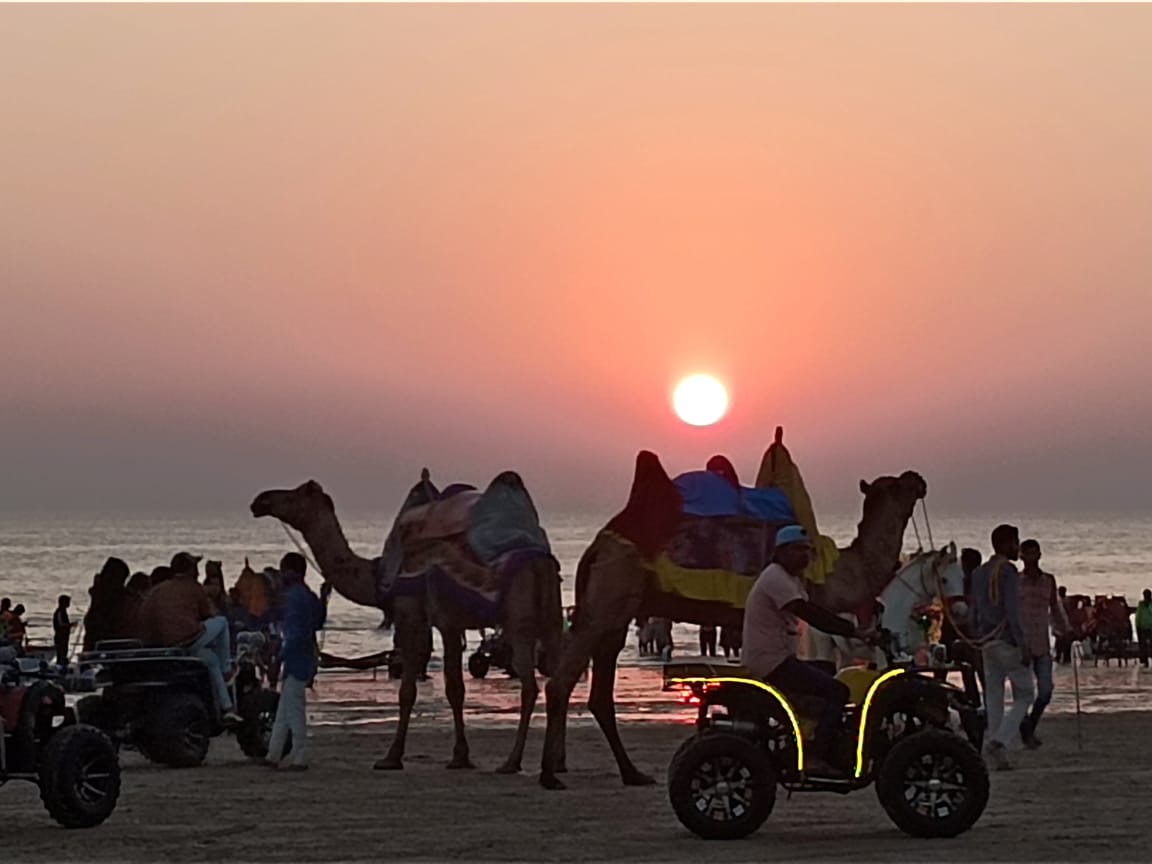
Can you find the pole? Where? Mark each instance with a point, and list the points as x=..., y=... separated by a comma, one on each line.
x=1077, y=656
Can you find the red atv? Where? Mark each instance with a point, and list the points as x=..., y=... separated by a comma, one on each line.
x=74, y=765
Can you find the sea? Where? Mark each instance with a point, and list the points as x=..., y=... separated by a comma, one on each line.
x=44, y=555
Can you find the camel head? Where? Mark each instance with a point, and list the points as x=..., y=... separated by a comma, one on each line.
x=295, y=507
x=889, y=501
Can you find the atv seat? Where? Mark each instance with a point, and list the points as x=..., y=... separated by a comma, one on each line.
x=118, y=644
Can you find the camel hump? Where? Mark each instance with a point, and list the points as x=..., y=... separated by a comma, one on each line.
x=505, y=520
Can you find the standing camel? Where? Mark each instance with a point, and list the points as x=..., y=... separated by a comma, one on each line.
x=614, y=585
x=530, y=612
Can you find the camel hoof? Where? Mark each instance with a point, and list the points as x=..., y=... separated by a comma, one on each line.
x=460, y=765
x=551, y=781
x=639, y=778
x=509, y=768
x=388, y=764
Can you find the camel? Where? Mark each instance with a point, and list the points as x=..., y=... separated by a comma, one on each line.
x=530, y=612
x=614, y=586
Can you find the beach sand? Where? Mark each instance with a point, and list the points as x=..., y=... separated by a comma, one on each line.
x=1062, y=803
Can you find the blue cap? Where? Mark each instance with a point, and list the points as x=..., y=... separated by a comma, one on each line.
x=792, y=534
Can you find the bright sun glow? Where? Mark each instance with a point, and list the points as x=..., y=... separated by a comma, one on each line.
x=700, y=400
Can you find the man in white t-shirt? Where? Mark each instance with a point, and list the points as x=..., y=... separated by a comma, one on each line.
x=771, y=638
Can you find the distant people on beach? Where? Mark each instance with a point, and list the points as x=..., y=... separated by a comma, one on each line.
x=1041, y=612
x=5, y=616
x=62, y=629
x=1000, y=629
x=17, y=629
x=707, y=640
x=1144, y=627
x=304, y=615
x=731, y=641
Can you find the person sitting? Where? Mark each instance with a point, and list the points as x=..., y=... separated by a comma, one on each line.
x=771, y=640
x=103, y=619
x=17, y=629
x=177, y=613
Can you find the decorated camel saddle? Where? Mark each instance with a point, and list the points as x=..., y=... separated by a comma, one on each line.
x=461, y=542
x=706, y=537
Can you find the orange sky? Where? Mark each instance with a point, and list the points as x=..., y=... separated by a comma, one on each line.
x=244, y=245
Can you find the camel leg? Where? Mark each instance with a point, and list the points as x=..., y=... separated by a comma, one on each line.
x=408, y=640
x=523, y=661
x=602, y=704
x=454, y=690
x=565, y=674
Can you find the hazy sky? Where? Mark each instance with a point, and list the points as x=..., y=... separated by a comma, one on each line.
x=241, y=246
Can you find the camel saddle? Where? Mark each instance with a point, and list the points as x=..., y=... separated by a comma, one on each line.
x=465, y=542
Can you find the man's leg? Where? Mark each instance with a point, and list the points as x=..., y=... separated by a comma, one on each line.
x=1023, y=692
x=1144, y=641
x=208, y=646
x=1042, y=670
x=279, y=730
x=991, y=655
x=296, y=692
x=800, y=677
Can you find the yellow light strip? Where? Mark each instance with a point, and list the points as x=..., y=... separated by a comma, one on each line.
x=768, y=689
x=861, y=735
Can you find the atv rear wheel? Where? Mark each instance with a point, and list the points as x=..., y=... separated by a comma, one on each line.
x=478, y=665
x=933, y=784
x=177, y=732
x=254, y=734
x=721, y=786
x=79, y=777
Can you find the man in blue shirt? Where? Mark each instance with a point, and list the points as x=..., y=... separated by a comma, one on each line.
x=303, y=615
x=999, y=628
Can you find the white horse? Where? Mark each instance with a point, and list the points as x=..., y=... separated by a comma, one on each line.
x=928, y=577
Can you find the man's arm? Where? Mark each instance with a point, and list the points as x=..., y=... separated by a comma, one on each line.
x=820, y=618
x=1010, y=595
x=1056, y=608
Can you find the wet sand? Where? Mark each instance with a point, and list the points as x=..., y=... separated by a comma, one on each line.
x=1060, y=804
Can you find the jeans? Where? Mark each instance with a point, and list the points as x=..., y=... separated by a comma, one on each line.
x=291, y=716
x=1144, y=640
x=212, y=646
x=798, y=676
x=1003, y=661
x=1042, y=670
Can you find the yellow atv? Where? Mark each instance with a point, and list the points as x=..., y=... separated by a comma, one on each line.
x=916, y=738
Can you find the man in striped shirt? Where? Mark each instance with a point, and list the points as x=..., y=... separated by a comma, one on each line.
x=1040, y=607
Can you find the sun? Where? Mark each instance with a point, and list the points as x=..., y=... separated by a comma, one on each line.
x=700, y=400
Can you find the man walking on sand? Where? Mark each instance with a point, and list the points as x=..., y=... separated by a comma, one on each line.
x=304, y=614
x=1005, y=652
x=1040, y=607
x=1144, y=627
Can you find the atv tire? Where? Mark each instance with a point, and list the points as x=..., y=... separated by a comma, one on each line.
x=933, y=784
x=722, y=786
x=177, y=732
x=478, y=665
x=259, y=714
x=79, y=777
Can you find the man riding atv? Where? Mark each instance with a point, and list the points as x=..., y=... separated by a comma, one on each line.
x=771, y=640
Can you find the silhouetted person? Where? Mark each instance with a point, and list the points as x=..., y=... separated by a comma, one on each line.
x=104, y=618
x=707, y=640
x=62, y=629
x=1144, y=627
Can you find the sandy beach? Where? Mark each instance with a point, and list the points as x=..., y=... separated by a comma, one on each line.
x=1060, y=804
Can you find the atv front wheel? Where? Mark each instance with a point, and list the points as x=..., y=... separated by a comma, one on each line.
x=721, y=786
x=79, y=777
x=933, y=784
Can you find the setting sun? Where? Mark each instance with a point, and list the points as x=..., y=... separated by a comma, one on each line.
x=700, y=400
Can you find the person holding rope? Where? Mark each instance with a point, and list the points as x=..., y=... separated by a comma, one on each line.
x=999, y=630
x=304, y=616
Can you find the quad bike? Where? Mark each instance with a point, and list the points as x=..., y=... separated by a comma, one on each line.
x=917, y=739
x=75, y=765
x=494, y=651
x=161, y=702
